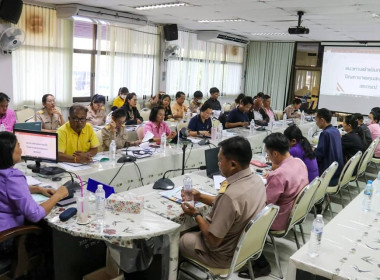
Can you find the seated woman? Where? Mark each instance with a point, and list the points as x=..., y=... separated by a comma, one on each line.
x=120, y=99
x=157, y=126
x=354, y=140
x=374, y=128
x=50, y=116
x=7, y=116
x=196, y=102
x=267, y=109
x=239, y=116
x=16, y=202
x=201, y=123
x=116, y=131
x=301, y=148
x=292, y=110
x=156, y=100
x=133, y=115
x=165, y=103
x=96, y=114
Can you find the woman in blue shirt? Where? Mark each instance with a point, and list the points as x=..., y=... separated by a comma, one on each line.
x=201, y=123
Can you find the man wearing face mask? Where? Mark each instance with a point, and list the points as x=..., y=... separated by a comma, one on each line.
x=196, y=102
x=120, y=99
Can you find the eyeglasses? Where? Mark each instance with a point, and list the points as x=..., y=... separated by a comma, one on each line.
x=78, y=120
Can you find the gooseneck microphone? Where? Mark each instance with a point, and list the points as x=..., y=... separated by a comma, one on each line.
x=167, y=184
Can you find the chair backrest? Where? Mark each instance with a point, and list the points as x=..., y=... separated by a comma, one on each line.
x=25, y=114
x=325, y=180
x=138, y=107
x=215, y=122
x=252, y=239
x=348, y=170
x=366, y=158
x=145, y=114
x=303, y=203
x=140, y=132
x=100, y=138
x=226, y=107
x=182, y=124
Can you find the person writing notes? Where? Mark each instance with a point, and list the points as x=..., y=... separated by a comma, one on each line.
x=239, y=116
x=157, y=126
x=77, y=141
x=201, y=123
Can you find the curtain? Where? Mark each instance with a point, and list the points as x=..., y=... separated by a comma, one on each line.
x=269, y=67
x=131, y=59
x=202, y=65
x=44, y=63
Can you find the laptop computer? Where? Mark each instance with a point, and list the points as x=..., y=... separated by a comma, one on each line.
x=211, y=157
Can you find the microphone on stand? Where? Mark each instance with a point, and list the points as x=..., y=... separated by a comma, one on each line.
x=167, y=184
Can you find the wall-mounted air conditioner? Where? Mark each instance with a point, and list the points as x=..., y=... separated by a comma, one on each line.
x=221, y=37
x=99, y=14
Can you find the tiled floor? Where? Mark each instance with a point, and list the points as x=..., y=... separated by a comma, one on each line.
x=287, y=246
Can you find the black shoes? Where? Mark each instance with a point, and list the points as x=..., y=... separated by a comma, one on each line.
x=257, y=271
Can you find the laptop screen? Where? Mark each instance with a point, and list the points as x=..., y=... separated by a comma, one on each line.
x=211, y=157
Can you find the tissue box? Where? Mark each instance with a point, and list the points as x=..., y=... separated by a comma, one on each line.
x=125, y=203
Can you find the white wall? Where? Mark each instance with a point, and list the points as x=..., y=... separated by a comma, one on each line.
x=6, y=81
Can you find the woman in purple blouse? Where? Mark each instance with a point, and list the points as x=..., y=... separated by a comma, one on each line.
x=16, y=202
x=7, y=116
x=301, y=148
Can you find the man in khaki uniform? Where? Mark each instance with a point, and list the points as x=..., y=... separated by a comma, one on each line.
x=241, y=196
x=178, y=108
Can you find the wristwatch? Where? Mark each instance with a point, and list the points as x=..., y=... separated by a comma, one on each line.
x=195, y=215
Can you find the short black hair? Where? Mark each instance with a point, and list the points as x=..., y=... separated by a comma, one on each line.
x=247, y=100
x=359, y=116
x=154, y=112
x=239, y=97
x=119, y=113
x=213, y=90
x=260, y=94
x=198, y=94
x=179, y=94
x=266, y=97
x=297, y=101
x=376, y=116
x=7, y=146
x=123, y=90
x=45, y=96
x=98, y=98
x=324, y=114
x=277, y=142
x=75, y=107
x=205, y=107
x=237, y=148
x=165, y=96
x=4, y=97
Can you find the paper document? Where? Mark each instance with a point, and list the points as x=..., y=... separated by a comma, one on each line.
x=194, y=140
x=149, y=135
x=31, y=181
x=218, y=179
x=39, y=198
x=175, y=195
x=74, y=166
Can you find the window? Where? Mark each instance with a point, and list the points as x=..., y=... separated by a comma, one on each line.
x=202, y=65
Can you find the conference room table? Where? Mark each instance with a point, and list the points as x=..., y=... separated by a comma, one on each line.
x=350, y=247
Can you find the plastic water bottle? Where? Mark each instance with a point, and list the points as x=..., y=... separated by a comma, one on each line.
x=303, y=117
x=214, y=132
x=100, y=203
x=284, y=120
x=270, y=125
x=220, y=131
x=112, y=155
x=188, y=190
x=188, y=114
x=367, y=196
x=163, y=143
x=2, y=127
x=316, y=236
x=263, y=153
x=376, y=185
x=252, y=127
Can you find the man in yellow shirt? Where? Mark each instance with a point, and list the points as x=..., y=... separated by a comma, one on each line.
x=77, y=141
x=178, y=108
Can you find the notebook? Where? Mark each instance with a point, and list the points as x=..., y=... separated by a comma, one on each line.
x=211, y=157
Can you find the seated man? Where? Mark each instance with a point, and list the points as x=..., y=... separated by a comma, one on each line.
x=213, y=100
x=201, y=124
x=288, y=177
x=241, y=197
x=292, y=110
x=196, y=102
x=329, y=147
x=238, y=116
x=257, y=112
x=178, y=108
x=77, y=141
x=364, y=127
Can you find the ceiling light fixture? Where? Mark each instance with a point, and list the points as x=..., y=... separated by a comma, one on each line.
x=163, y=5
x=220, y=20
x=269, y=34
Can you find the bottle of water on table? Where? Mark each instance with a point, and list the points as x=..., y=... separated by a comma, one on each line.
x=252, y=127
x=367, y=196
x=188, y=190
x=316, y=236
x=163, y=143
x=112, y=154
x=100, y=203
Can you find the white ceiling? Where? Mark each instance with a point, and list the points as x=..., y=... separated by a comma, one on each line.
x=328, y=20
